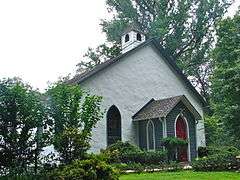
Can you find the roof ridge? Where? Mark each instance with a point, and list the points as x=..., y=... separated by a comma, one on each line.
x=81, y=77
x=166, y=57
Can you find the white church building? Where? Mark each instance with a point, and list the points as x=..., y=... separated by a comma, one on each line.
x=146, y=97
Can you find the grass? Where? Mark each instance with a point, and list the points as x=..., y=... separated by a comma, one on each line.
x=182, y=175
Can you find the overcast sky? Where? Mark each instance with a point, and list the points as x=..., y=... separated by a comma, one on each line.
x=41, y=40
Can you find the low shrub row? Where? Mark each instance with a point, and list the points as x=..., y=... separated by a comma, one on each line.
x=89, y=169
x=92, y=168
x=218, y=162
x=144, y=157
x=138, y=167
x=211, y=150
x=124, y=152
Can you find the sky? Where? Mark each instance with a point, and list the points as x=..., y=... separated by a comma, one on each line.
x=43, y=40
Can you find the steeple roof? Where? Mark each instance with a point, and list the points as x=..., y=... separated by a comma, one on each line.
x=132, y=27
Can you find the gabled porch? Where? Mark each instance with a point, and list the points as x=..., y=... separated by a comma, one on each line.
x=170, y=117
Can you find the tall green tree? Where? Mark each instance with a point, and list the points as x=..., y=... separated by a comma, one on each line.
x=226, y=76
x=74, y=114
x=21, y=114
x=185, y=28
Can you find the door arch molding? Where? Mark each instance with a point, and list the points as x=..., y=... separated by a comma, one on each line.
x=187, y=129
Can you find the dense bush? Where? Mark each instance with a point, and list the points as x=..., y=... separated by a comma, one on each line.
x=94, y=167
x=122, y=147
x=211, y=150
x=172, y=144
x=115, y=151
x=144, y=157
x=218, y=162
x=24, y=177
x=89, y=169
x=74, y=113
x=124, y=152
x=202, y=152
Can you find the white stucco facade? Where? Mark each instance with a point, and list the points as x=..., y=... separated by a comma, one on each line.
x=129, y=84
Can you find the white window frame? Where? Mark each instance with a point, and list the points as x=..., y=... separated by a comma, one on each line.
x=154, y=143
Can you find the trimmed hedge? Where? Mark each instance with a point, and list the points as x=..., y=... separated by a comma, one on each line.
x=144, y=157
x=218, y=162
x=124, y=152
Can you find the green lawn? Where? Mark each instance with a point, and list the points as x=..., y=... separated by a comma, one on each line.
x=182, y=176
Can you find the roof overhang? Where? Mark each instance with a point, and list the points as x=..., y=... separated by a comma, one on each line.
x=162, y=52
x=161, y=108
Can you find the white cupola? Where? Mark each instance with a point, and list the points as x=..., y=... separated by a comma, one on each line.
x=131, y=38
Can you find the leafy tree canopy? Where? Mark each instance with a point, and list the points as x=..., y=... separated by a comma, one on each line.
x=74, y=114
x=185, y=28
x=226, y=75
x=21, y=115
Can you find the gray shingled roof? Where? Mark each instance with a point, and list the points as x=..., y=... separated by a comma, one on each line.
x=161, y=108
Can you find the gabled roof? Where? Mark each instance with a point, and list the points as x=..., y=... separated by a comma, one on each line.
x=166, y=57
x=161, y=108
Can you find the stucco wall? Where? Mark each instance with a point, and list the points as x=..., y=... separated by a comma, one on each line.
x=131, y=83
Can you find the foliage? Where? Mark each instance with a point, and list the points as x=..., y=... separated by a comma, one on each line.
x=171, y=144
x=226, y=77
x=97, y=56
x=71, y=144
x=139, y=168
x=185, y=28
x=144, y=157
x=74, y=114
x=123, y=147
x=92, y=169
x=202, y=151
x=214, y=131
x=211, y=150
x=218, y=162
x=124, y=152
x=22, y=115
x=115, y=151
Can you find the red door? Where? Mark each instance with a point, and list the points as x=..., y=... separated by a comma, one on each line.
x=181, y=132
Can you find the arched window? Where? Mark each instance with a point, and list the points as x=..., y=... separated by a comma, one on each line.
x=150, y=136
x=114, y=131
x=126, y=38
x=139, y=37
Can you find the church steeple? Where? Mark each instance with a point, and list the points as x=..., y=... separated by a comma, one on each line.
x=131, y=38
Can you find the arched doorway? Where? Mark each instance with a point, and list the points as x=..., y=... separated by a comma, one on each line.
x=182, y=133
x=114, y=132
